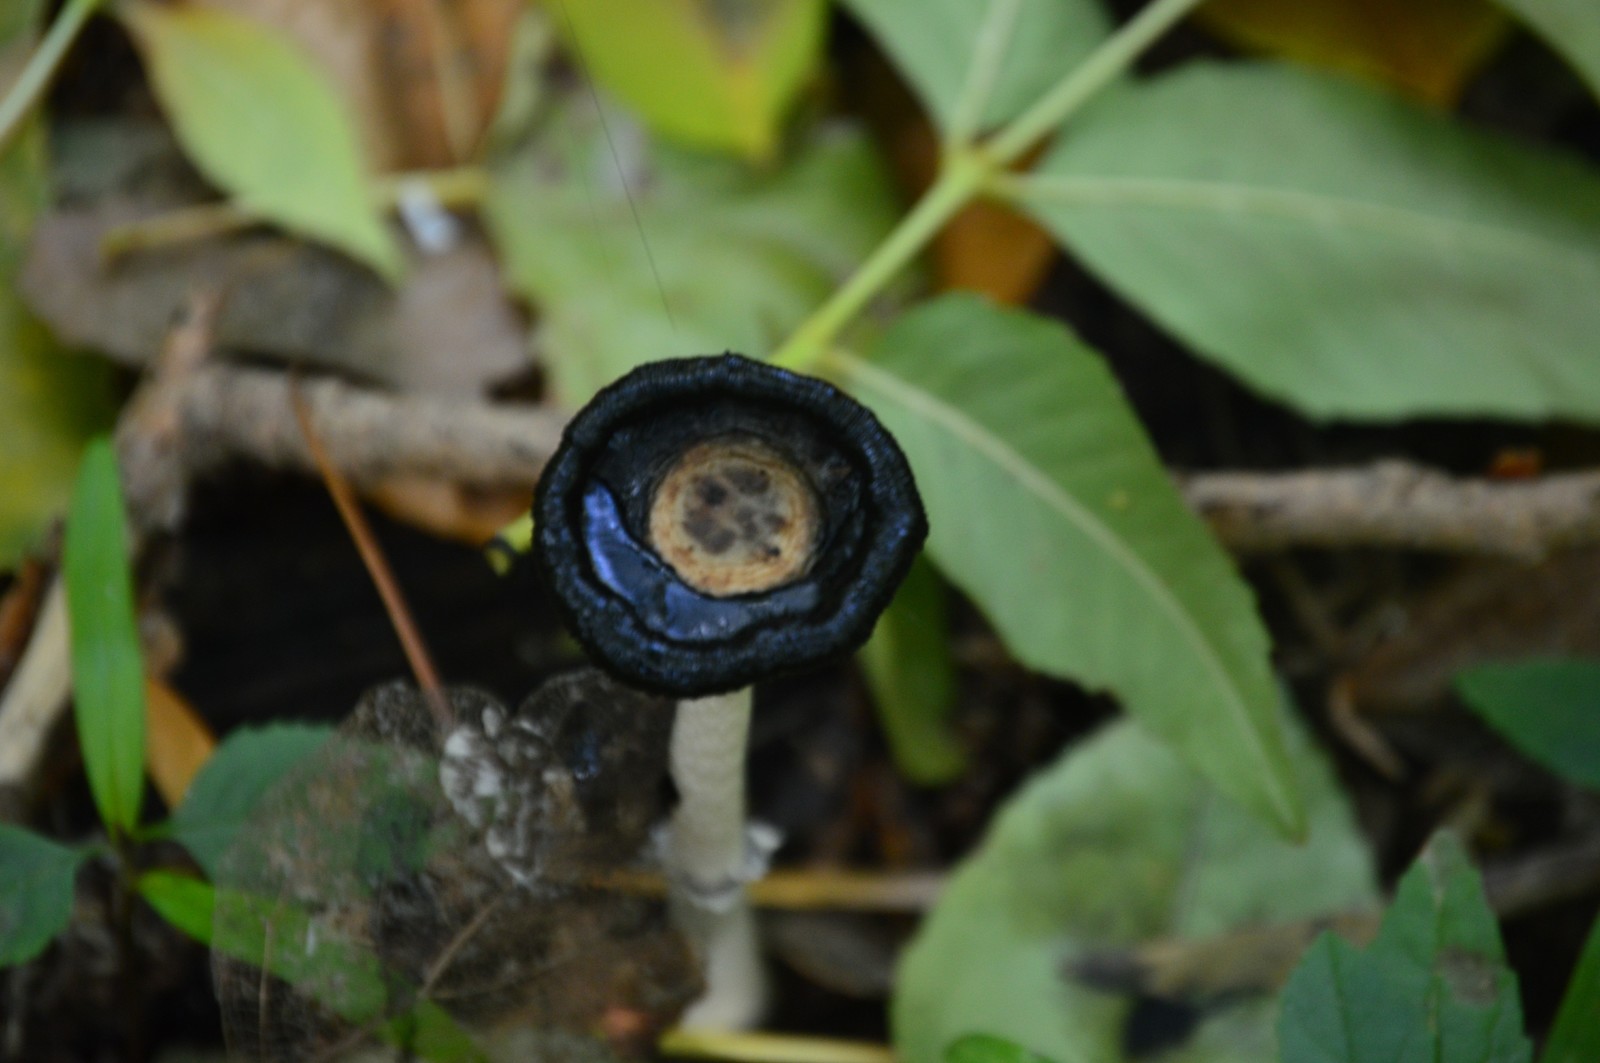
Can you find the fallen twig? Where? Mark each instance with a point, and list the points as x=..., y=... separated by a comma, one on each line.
x=1398, y=505
x=245, y=413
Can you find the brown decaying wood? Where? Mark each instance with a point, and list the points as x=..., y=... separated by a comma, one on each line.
x=230, y=413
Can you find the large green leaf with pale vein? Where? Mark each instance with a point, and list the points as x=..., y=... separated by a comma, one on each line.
x=981, y=62
x=1571, y=27
x=1049, y=508
x=1338, y=249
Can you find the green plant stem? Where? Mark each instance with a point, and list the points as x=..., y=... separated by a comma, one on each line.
x=967, y=172
x=42, y=66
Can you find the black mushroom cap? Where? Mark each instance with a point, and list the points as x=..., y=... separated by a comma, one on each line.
x=707, y=522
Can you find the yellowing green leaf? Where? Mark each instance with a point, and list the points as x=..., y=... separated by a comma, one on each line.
x=1049, y=508
x=263, y=124
x=1428, y=48
x=712, y=73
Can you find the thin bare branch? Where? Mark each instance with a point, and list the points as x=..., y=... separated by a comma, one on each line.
x=232, y=413
x=1399, y=506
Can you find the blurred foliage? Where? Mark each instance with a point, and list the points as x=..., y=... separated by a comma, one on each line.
x=634, y=250
x=36, y=877
x=1117, y=843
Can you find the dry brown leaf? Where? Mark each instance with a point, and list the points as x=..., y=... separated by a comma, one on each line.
x=422, y=77
x=1427, y=48
x=177, y=741
x=449, y=331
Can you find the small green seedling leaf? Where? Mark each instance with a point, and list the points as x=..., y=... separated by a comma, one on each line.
x=1575, y=1037
x=347, y=980
x=107, y=670
x=1345, y=252
x=182, y=900
x=35, y=892
x=907, y=663
x=247, y=764
x=1567, y=26
x=1550, y=710
x=263, y=123
x=1049, y=508
x=982, y=1048
x=1117, y=843
x=1432, y=987
x=713, y=75
x=977, y=63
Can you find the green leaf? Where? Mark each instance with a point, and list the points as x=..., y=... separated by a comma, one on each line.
x=347, y=979
x=50, y=402
x=35, y=892
x=717, y=257
x=1575, y=1037
x=182, y=900
x=1570, y=27
x=977, y=63
x=263, y=123
x=244, y=767
x=1115, y=844
x=1432, y=988
x=107, y=670
x=1049, y=508
x=982, y=1048
x=1549, y=709
x=709, y=74
x=1338, y=249
x=907, y=664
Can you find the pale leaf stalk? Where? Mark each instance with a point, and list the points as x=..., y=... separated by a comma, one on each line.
x=42, y=67
x=969, y=172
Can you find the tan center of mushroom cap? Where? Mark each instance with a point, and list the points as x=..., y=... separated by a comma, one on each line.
x=733, y=516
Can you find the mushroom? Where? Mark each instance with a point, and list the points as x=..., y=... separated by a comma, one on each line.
x=705, y=523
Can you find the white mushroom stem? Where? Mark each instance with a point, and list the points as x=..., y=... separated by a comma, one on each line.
x=710, y=858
